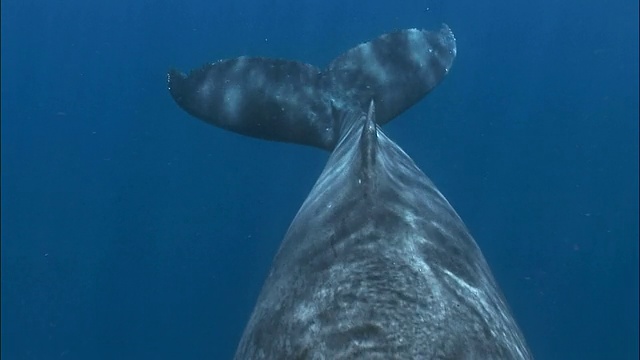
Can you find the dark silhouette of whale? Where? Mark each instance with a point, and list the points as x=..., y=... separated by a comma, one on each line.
x=376, y=264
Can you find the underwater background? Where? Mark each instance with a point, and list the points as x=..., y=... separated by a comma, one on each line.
x=131, y=230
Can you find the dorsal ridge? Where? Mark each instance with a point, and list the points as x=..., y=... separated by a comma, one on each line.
x=368, y=148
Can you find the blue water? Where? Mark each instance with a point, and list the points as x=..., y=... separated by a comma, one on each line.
x=133, y=231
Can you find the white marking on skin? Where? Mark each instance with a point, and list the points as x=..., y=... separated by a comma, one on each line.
x=443, y=230
x=418, y=262
x=463, y=284
x=257, y=78
x=373, y=64
x=206, y=89
x=416, y=46
x=481, y=299
x=304, y=312
x=241, y=63
x=438, y=310
x=410, y=217
x=232, y=100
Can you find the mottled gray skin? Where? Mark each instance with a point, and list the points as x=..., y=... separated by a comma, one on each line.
x=376, y=264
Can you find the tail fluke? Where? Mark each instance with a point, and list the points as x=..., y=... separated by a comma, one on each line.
x=265, y=98
x=294, y=102
x=396, y=70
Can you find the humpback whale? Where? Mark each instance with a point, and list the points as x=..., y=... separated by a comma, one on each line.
x=376, y=264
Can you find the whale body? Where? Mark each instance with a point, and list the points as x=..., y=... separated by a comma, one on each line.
x=376, y=264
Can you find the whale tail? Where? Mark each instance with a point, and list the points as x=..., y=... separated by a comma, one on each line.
x=290, y=101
